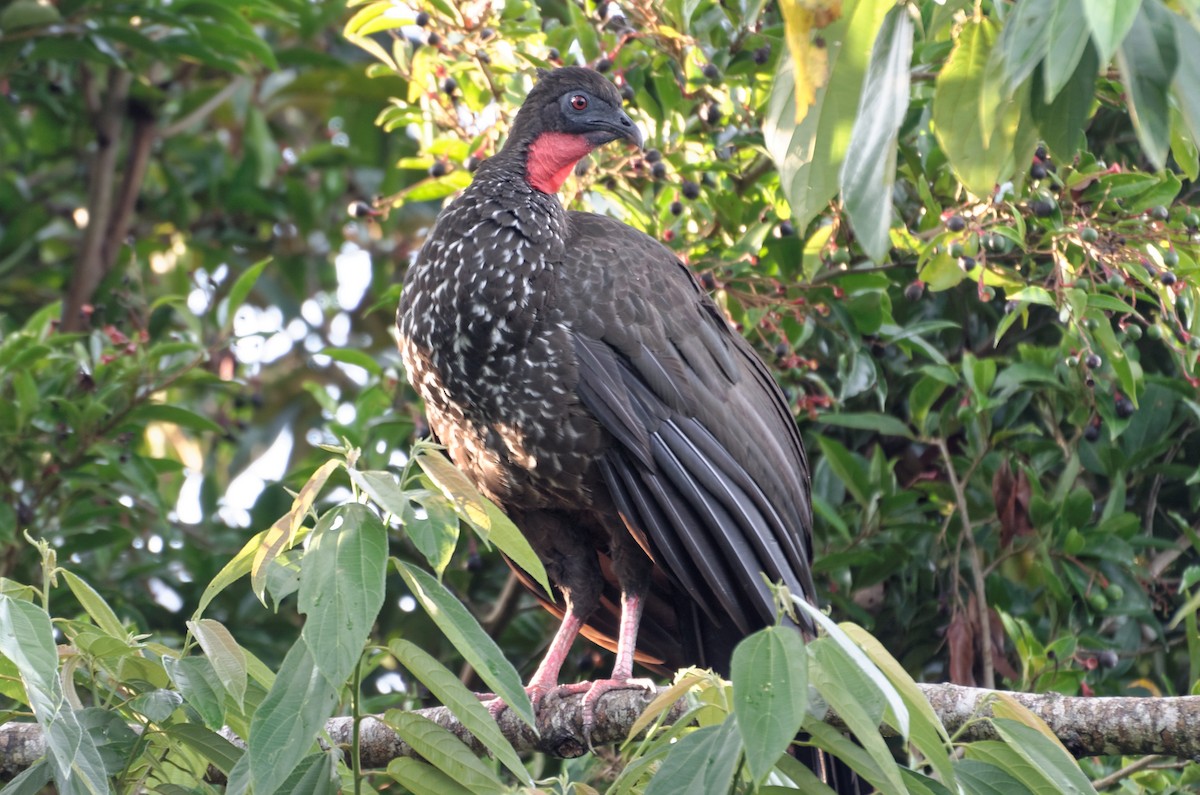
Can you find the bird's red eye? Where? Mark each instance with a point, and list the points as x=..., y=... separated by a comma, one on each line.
x=579, y=102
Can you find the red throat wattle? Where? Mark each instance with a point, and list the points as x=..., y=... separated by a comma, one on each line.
x=552, y=155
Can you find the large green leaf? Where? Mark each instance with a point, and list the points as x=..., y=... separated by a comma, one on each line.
x=342, y=587
x=444, y=751
x=1148, y=58
x=1045, y=754
x=227, y=657
x=481, y=514
x=1186, y=85
x=1109, y=21
x=978, y=125
x=869, y=170
x=809, y=155
x=770, y=694
x=1068, y=33
x=447, y=688
x=703, y=761
x=27, y=639
x=285, y=725
x=476, y=647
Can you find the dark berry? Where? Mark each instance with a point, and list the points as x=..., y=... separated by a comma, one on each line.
x=449, y=85
x=582, y=167
x=676, y=208
x=627, y=92
x=1124, y=408
x=434, y=38
x=689, y=189
x=553, y=55
x=1091, y=433
x=1167, y=278
x=653, y=156
x=422, y=18
x=1160, y=213
x=762, y=54
x=360, y=210
x=1093, y=361
x=781, y=350
x=710, y=113
x=1010, y=307
x=712, y=72
x=659, y=170
x=966, y=263
x=1040, y=153
x=486, y=33
x=708, y=282
x=471, y=163
x=1042, y=208
x=604, y=64
x=914, y=290
x=474, y=562
x=786, y=229
x=438, y=169
x=1107, y=658
x=956, y=223
x=1037, y=171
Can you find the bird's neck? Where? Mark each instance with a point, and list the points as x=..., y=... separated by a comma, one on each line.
x=551, y=157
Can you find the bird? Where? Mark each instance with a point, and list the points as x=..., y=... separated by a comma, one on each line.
x=575, y=370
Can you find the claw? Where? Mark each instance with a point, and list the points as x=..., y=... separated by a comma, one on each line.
x=593, y=693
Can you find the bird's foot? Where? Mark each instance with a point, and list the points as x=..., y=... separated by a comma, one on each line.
x=593, y=691
x=496, y=705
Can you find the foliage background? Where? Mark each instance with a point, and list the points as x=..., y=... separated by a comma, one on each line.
x=1019, y=349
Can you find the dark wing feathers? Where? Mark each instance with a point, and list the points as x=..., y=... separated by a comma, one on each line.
x=708, y=466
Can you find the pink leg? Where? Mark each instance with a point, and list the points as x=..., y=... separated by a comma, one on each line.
x=622, y=675
x=545, y=678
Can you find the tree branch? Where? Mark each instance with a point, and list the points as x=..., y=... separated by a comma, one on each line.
x=1086, y=726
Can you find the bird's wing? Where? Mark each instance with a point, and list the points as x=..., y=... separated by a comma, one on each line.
x=707, y=467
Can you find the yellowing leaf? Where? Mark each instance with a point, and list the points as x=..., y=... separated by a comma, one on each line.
x=810, y=60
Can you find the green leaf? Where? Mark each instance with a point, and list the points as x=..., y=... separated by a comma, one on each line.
x=984, y=778
x=94, y=605
x=847, y=468
x=418, y=777
x=444, y=751
x=342, y=587
x=226, y=656
x=161, y=412
x=27, y=639
x=1008, y=760
x=449, y=690
x=200, y=685
x=355, y=357
x=1061, y=120
x=1025, y=39
x=1043, y=750
x=218, y=751
x=156, y=705
x=869, y=169
x=482, y=514
x=1068, y=32
x=869, y=421
x=1186, y=85
x=927, y=732
x=1147, y=60
x=978, y=126
x=770, y=694
x=242, y=287
x=1109, y=21
x=809, y=155
x=464, y=632
x=286, y=724
x=703, y=761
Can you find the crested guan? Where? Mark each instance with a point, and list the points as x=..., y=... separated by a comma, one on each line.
x=576, y=372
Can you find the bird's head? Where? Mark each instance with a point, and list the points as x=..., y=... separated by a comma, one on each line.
x=570, y=112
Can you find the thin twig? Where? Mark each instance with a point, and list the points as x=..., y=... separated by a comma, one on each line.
x=985, y=625
x=1125, y=772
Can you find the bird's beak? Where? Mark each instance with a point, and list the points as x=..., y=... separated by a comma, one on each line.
x=633, y=133
x=612, y=127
